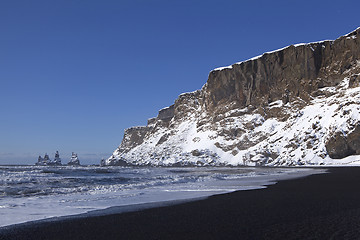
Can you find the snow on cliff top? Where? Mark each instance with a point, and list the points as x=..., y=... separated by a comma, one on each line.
x=280, y=49
x=270, y=52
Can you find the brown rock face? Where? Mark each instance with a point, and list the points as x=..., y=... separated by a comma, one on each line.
x=295, y=71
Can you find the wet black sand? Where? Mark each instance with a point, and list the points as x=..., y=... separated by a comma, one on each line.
x=324, y=206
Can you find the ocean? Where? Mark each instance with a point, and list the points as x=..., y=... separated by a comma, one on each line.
x=29, y=193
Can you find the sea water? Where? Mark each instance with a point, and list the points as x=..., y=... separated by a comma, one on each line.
x=29, y=193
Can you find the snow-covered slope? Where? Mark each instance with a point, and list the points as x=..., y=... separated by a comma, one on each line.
x=296, y=106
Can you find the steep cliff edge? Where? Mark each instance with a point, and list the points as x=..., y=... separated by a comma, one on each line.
x=294, y=106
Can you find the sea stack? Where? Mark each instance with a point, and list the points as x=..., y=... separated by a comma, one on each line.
x=57, y=159
x=74, y=160
x=46, y=161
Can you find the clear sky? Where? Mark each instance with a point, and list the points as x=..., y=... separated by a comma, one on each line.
x=75, y=73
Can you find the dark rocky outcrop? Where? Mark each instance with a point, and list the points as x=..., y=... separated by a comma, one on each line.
x=354, y=80
x=166, y=114
x=133, y=137
x=340, y=145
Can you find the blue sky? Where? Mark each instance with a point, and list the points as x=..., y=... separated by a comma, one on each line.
x=74, y=74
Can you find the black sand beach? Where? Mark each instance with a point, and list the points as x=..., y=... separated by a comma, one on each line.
x=324, y=206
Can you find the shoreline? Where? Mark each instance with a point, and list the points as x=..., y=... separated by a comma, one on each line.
x=327, y=205
x=319, y=206
x=161, y=198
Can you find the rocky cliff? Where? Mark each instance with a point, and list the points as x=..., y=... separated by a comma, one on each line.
x=299, y=105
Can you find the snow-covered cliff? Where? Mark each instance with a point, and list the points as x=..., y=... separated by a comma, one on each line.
x=299, y=105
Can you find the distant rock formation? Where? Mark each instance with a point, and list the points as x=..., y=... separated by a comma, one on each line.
x=57, y=159
x=45, y=161
x=295, y=106
x=74, y=160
